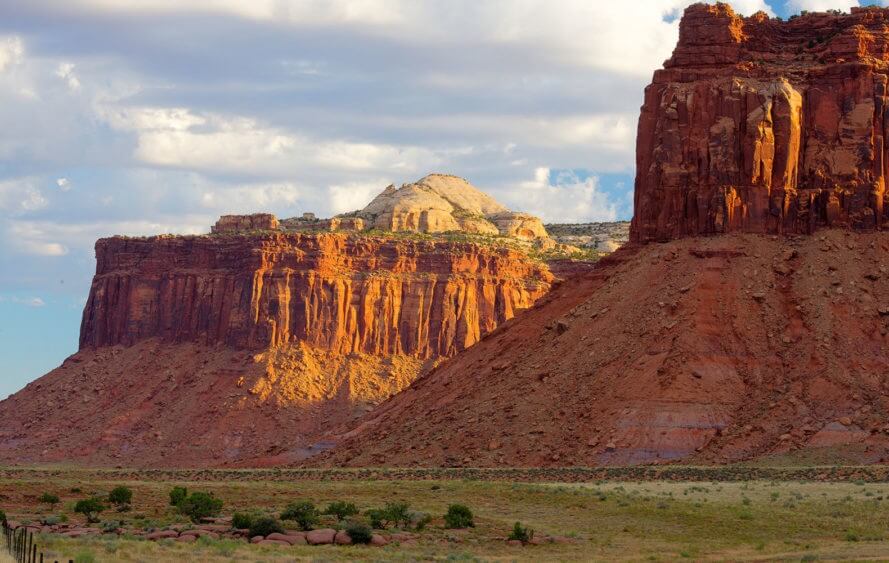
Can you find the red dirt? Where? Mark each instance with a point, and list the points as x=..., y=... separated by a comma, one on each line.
x=698, y=350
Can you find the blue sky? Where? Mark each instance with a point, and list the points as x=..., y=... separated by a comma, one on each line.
x=151, y=116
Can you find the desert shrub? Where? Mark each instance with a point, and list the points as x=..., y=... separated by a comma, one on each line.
x=419, y=520
x=121, y=497
x=459, y=516
x=393, y=514
x=377, y=518
x=303, y=513
x=264, y=526
x=177, y=495
x=50, y=499
x=242, y=520
x=521, y=533
x=2, y=517
x=200, y=505
x=91, y=508
x=398, y=513
x=341, y=510
x=111, y=526
x=359, y=532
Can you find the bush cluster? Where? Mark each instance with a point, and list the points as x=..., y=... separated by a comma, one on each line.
x=303, y=513
x=198, y=506
x=459, y=516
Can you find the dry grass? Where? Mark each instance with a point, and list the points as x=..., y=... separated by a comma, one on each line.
x=754, y=520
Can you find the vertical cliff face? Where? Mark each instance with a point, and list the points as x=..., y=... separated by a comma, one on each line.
x=761, y=125
x=341, y=293
x=248, y=349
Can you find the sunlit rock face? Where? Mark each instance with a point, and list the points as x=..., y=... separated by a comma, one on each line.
x=762, y=125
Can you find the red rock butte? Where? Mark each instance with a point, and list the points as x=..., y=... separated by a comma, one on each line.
x=762, y=125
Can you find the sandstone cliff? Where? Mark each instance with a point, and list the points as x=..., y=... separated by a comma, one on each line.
x=441, y=203
x=699, y=350
x=762, y=125
x=342, y=293
x=234, y=348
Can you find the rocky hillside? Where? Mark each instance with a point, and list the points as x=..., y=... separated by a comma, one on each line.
x=237, y=346
x=707, y=350
x=763, y=125
x=704, y=349
x=602, y=237
x=444, y=203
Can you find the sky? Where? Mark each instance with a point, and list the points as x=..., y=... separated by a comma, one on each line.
x=142, y=117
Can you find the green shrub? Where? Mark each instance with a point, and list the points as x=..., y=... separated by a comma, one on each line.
x=111, y=526
x=121, y=497
x=50, y=499
x=359, y=532
x=2, y=517
x=264, y=526
x=419, y=520
x=303, y=513
x=91, y=508
x=85, y=557
x=393, y=514
x=377, y=518
x=200, y=505
x=521, y=533
x=177, y=495
x=341, y=510
x=459, y=516
x=242, y=520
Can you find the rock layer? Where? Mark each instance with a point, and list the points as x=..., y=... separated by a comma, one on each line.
x=763, y=125
x=246, y=349
x=346, y=294
x=699, y=350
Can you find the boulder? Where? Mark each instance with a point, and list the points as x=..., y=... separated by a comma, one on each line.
x=162, y=534
x=342, y=538
x=321, y=537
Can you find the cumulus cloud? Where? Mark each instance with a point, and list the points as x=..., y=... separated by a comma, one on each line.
x=354, y=195
x=796, y=6
x=20, y=195
x=11, y=51
x=561, y=198
x=65, y=71
x=64, y=184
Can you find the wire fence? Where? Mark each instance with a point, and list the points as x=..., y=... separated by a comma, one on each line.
x=20, y=545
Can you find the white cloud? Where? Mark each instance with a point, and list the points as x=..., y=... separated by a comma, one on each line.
x=568, y=199
x=21, y=195
x=11, y=51
x=27, y=301
x=64, y=184
x=178, y=137
x=354, y=195
x=65, y=71
x=796, y=6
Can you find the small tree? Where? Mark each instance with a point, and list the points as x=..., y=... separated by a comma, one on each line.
x=242, y=520
x=264, y=526
x=521, y=533
x=303, y=513
x=359, y=532
x=398, y=513
x=91, y=508
x=177, y=495
x=459, y=516
x=341, y=510
x=121, y=497
x=394, y=513
x=198, y=506
x=50, y=499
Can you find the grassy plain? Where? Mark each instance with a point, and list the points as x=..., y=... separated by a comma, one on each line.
x=757, y=519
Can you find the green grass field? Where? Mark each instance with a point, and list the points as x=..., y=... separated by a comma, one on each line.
x=613, y=520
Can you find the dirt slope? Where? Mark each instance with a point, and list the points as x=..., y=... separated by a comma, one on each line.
x=700, y=350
